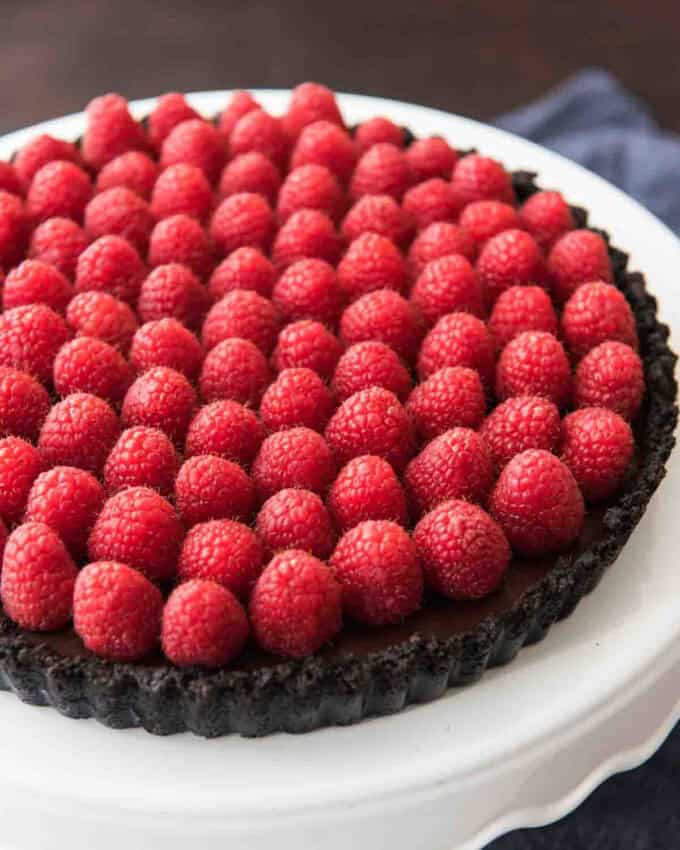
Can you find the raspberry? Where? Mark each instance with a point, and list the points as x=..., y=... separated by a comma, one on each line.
x=244, y=268
x=258, y=131
x=20, y=465
x=534, y=363
x=325, y=143
x=430, y=157
x=451, y=397
x=296, y=605
x=455, y=465
x=14, y=229
x=195, y=142
x=310, y=187
x=38, y=576
x=226, y=429
x=486, y=219
x=546, y=215
x=296, y=457
x=520, y=423
x=30, y=338
x=165, y=342
x=242, y=313
x=458, y=339
x=170, y=110
x=538, y=503
x=9, y=179
x=308, y=289
x=367, y=488
x=251, y=172
x=377, y=567
x=597, y=312
x=209, y=487
x=203, y=624
x=298, y=397
x=58, y=242
x=577, y=257
x=111, y=265
x=430, y=201
x=519, y=309
x=371, y=364
x=307, y=233
x=111, y=131
x=182, y=189
x=38, y=152
x=120, y=212
x=439, y=240
x=512, y=257
x=378, y=130
x=142, y=457
x=382, y=170
x=68, y=500
x=59, y=189
x=307, y=344
x=480, y=178
x=225, y=552
x=35, y=282
x=3, y=538
x=385, y=316
x=371, y=421
x=379, y=214
x=24, y=404
x=160, y=398
x=181, y=239
x=309, y=103
x=296, y=519
x=463, y=551
x=116, y=611
x=611, y=376
x=240, y=104
x=100, y=315
x=447, y=285
x=235, y=369
x=133, y=170
x=79, y=431
x=88, y=365
x=371, y=262
x=173, y=291
x=243, y=219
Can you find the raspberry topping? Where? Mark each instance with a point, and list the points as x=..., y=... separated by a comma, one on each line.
x=195, y=142
x=379, y=214
x=100, y=315
x=170, y=110
x=182, y=189
x=611, y=376
x=111, y=131
x=35, y=282
x=160, y=398
x=430, y=157
x=512, y=257
x=240, y=104
x=133, y=170
x=296, y=519
x=577, y=257
x=261, y=132
x=519, y=309
x=311, y=187
x=383, y=316
x=297, y=457
x=251, y=172
x=430, y=201
x=447, y=285
x=484, y=219
x=534, y=363
x=371, y=364
x=111, y=265
x=307, y=233
x=181, y=239
x=480, y=178
x=297, y=397
x=166, y=342
x=38, y=152
x=367, y=488
x=371, y=262
x=458, y=339
x=597, y=312
x=210, y=487
x=235, y=369
x=30, y=337
x=451, y=397
x=226, y=429
x=88, y=365
x=308, y=289
x=142, y=457
x=241, y=220
x=377, y=130
x=546, y=215
x=20, y=465
x=382, y=170
x=307, y=344
x=173, y=291
x=242, y=313
x=244, y=268
x=58, y=242
x=24, y=404
x=309, y=103
x=325, y=143
x=58, y=189
x=520, y=423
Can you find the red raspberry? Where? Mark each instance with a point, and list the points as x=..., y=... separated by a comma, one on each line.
x=165, y=342
x=309, y=103
x=111, y=265
x=458, y=339
x=30, y=338
x=100, y=315
x=182, y=189
x=431, y=157
x=597, y=312
x=310, y=187
x=382, y=170
x=520, y=423
x=38, y=152
x=307, y=233
x=325, y=143
x=240, y=104
x=480, y=178
x=59, y=189
x=58, y=242
x=14, y=229
x=371, y=262
x=3, y=538
x=20, y=465
x=258, y=131
x=116, y=611
x=243, y=219
x=251, y=172
x=9, y=179
x=455, y=465
x=519, y=309
x=24, y=404
x=68, y=500
x=538, y=503
x=296, y=605
x=181, y=239
x=307, y=344
x=111, y=131
x=367, y=488
x=244, y=268
x=173, y=291
x=430, y=201
x=611, y=376
x=170, y=110
x=235, y=368
x=209, y=487
x=133, y=170
x=385, y=316
x=142, y=457
x=447, y=285
x=371, y=364
x=296, y=519
x=451, y=397
x=379, y=214
x=38, y=576
x=371, y=421
x=463, y=551
x=160, y=398
x=577, y=257
x=377, y=567
x=242, y=313
x=297, y=397
x=195, y=142
x=227, y=429
x=376, y=131
x=486, y=219
x=439, y=240
x=296, y=457
x=308, y=289
x=225, y=552
x=534, y=363
x=546, y=215
x=79, y=431
x=120, y=212
x=88, y=365
x=35, y=282
x=512, y=257
x=203, y=624
x=138, y=527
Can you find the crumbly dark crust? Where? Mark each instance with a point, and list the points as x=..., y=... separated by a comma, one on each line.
x=303, y=695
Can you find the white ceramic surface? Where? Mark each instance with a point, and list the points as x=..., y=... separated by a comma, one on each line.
x=522, y=747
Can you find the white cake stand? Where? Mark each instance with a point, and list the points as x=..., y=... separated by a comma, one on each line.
x=522, y=747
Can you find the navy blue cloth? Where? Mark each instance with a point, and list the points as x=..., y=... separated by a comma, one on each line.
x=591, y=118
